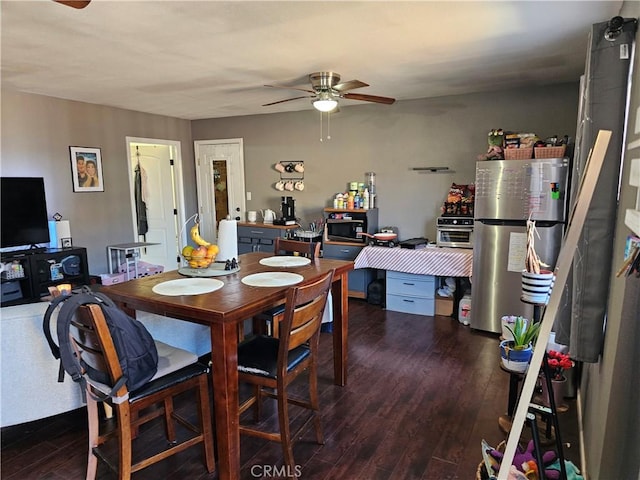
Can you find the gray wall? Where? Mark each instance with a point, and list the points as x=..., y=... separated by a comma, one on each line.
x=36, y=134
x=389, y=140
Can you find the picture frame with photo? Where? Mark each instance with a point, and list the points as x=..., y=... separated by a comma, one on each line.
x=86, y=169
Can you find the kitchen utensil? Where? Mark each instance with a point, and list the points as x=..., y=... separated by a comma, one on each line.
x=385, y=237
x=389, y=238
x=268, y=215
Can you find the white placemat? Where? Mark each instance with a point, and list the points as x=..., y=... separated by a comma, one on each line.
x=272, y=279
x=187, y=286
x=285, y=261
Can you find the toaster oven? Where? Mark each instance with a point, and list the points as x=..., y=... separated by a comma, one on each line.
x=454, y=232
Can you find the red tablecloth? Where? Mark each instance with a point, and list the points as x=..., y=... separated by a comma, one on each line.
x=442, y=262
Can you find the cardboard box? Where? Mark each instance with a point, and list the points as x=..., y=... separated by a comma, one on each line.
x=444, y=306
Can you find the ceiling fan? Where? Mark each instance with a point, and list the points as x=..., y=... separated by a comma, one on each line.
x=327, y=89
x=74, y=3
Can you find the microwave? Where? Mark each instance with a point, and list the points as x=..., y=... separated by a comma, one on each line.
x=346, y=229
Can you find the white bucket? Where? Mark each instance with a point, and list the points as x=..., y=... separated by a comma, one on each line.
x=464, y=310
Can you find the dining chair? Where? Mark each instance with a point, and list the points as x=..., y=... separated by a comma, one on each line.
x=270, y=364
x=178, y=371
x=284, y=246
x=269, y=320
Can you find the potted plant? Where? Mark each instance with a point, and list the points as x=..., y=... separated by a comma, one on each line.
x=516, y=353
x=558, y=362
x=536, y=282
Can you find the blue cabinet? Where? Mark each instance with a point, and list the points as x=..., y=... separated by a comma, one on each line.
x=260, y=237
x=360, y=278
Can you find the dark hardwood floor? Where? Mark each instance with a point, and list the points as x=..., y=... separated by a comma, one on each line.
x=422, y=393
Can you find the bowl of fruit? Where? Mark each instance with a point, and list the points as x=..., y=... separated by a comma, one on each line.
x=203, y=253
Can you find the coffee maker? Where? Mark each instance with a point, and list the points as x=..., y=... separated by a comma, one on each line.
x=288, y=209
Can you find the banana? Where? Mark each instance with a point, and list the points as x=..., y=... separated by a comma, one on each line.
x=195, y=236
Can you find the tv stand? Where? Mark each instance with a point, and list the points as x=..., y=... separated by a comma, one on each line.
x=29, y=273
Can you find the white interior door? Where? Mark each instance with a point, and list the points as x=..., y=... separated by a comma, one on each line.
x=220, y=177
x=162, y=180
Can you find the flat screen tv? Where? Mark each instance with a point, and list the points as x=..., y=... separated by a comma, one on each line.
x=23, y=205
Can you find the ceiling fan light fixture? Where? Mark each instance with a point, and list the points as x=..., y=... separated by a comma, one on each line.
x=325, y=102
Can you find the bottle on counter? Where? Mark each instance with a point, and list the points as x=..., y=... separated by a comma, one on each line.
x=350, y=202
x=365, y=199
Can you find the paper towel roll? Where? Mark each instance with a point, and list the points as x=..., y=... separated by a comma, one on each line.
x=57, y=232
x=227, y=240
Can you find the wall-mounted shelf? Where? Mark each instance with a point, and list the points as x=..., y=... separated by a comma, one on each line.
x=433, y=170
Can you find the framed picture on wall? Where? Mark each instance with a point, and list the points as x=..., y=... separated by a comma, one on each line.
x=86, y=169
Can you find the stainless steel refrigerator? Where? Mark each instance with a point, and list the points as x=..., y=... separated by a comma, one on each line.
x=508, y=192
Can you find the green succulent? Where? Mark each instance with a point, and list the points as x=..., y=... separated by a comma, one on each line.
x=524, y=333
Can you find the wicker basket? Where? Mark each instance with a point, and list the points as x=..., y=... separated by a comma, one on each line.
x=518, y=153
x=481, y=472
x=550, y=152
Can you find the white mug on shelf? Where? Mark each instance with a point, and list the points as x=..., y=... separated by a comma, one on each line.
x=279, y=185
x=288, y=186
x=279, y=167
x=299, y=185
x=299, y=167
x=252, y=216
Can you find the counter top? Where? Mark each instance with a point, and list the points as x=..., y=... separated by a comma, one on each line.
x=439, y=261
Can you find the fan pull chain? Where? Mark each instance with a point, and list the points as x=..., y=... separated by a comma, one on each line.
x=328, y=126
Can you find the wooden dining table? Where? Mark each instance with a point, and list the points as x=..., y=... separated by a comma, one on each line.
x=222, y=311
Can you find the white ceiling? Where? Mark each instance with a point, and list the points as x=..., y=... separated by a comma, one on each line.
x=207, y=59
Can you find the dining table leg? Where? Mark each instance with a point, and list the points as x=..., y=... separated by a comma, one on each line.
x=224, y=358
x=339, y=292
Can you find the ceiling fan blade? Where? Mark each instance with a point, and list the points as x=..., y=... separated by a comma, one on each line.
x=369, y=98
x=350, y=85
x=288, y=100
x=291, y=88
x=74, y=3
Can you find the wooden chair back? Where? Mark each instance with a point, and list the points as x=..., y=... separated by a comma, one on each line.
x=94, y=344
x=284, y=246
x=302, y=317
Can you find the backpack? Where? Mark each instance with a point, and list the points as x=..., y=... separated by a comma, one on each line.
x=134, y=344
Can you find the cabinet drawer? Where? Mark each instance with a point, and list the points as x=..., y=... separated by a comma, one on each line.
x=341, y=252
x=257, y=232
x=410, y=284
x=415, y=305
